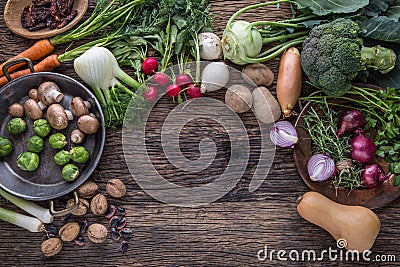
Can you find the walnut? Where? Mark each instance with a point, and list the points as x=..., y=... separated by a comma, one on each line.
x=51, y=246
x=82, y=209
x=116, y=188
x=99, y=205
x=69, y=231
x=97, y=233
x=88, y=189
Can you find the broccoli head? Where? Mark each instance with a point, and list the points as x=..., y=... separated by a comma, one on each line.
x=333, y=55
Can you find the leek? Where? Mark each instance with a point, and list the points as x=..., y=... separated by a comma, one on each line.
x=29, y=223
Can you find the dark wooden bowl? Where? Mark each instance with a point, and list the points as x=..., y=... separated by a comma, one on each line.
x=367, y=197
x=12, y=18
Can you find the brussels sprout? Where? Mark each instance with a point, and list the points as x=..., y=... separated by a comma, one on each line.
x=41, y=127
x=62, y=157
x=35, y=144
x=79, y=154
x=5, y=146
x=57, y=140
x=28, y=161
x=16, y=126
x=70, y=172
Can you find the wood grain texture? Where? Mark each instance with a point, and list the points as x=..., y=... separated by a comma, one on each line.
x=228, y=232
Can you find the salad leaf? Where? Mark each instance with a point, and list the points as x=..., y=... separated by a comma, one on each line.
x=382, y=28
x=325, y=7
x=393, y=12
x=376, y=7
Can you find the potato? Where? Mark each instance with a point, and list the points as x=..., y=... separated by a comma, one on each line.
x=259, y=74
x=265, y=106
x=238, y=98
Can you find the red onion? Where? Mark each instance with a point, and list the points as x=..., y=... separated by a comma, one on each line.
x=363, y=148
x=351, y=121
x=283, y=134
x=372, y=175
x=320, y=167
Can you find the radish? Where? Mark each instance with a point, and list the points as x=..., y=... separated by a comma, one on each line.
x=194, y=91
x=161, y=79
x=151, y=94
x=173, y=90
x=149, y=65
x=183, y=80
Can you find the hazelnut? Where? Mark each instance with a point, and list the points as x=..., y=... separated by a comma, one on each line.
x=99, y=205
x=69, y=231
x=97, y=233
x=88, y=189
x=51, y=247
x=82, y=208
x=116, y=188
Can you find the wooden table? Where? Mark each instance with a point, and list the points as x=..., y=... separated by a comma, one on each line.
x=228, y=232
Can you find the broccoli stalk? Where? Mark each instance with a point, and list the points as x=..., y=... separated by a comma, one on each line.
x=333, y=55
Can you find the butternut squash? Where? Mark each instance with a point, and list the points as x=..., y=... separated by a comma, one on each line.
x=359, y=226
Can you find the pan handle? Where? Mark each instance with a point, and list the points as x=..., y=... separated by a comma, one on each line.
x=15, y=62
x=67, y=210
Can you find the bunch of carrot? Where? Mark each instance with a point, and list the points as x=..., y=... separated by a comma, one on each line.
x=105, y=14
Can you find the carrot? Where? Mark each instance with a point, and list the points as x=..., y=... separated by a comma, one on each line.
x=289, y=82
x=47, y=64
x=40, y=49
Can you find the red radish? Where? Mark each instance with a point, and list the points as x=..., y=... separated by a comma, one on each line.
x=161, y=79
x=173, y=90
x=351, y=121
x=194, y=91
x=372, y=175
x=149, y=65
x=363, y=148
x=183, y=80
x=151, y=94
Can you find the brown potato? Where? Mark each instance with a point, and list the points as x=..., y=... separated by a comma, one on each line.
x=266, y=107
x=238, y=98
x=258, y=73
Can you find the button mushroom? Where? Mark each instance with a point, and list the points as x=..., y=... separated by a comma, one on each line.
x=80, y=107
x=58, y=117
x=33, y=94
x=88, y=124
x=16, y=110
x=77, y=136
x=33, y=110
x=49, y=93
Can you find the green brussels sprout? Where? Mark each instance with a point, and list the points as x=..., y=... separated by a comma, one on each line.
x=41, y=127
x=70, y=172
x=79, y=154
x=57, y=141
x=16, y=126
x=35, y=144
x=62, y=157
x=5, y=146
x=28, y=161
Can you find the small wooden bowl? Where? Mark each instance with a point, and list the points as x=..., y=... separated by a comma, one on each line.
x=368, y=197
x=12, y=18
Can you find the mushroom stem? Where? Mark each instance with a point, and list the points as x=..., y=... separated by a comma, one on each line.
x=56, y=95
x=87, y=104
x=69, y=115
x=77, y=136
x=42, y=106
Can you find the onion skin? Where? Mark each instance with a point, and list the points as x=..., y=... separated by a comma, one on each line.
x=372, y=175
x=351, y=121
x=289, y=82
x=363, y=148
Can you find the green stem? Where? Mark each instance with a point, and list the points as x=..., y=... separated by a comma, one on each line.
x=276, y=23
x=281, y=37
x=123, y=76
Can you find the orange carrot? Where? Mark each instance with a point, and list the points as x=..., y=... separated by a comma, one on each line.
x=40, y=49
x=47, y=64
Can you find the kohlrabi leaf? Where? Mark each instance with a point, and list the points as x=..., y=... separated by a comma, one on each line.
x=382, y=28
x=325, y=7
x=376, y=7
x=393, y=12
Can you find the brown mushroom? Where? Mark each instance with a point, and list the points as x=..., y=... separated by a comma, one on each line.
x=33, y=94
x=77, y=136
x=88, y=124
x=33, y=110
x=58, y=117
x=49, y=93
x=16, y=110
x=80, y=107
